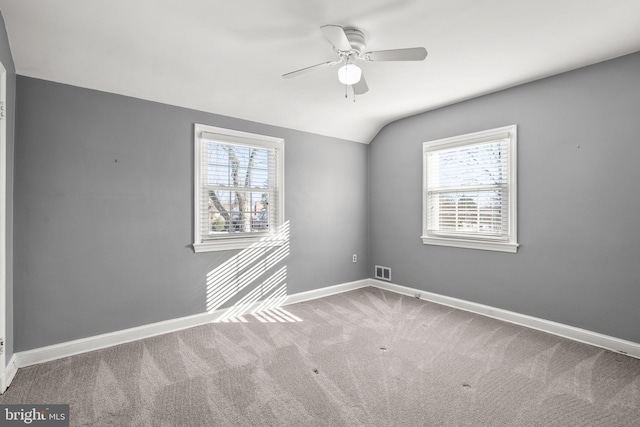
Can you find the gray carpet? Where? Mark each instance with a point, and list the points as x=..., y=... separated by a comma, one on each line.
x=362, y=358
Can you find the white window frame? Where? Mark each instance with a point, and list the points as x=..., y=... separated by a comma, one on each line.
x=511, y=243
x=225, y=243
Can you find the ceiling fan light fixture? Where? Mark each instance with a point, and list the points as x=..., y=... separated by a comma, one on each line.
x=349, y=74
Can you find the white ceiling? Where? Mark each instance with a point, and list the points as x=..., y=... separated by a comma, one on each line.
x=227, y=57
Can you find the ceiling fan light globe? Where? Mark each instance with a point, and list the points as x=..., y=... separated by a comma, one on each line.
x=349, y=74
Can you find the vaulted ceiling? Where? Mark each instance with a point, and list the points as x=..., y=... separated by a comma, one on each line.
x=228, y=57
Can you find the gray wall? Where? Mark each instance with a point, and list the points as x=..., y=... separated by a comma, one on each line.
x=7, y=60
x=578, y=207
x=105, y=245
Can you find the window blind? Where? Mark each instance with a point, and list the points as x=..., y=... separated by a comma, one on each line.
x=467, y=190
x=238, y=188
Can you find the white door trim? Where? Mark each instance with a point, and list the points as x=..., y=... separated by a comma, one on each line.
x=3, y=226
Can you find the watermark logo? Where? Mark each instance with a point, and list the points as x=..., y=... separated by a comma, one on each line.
x=34, y=415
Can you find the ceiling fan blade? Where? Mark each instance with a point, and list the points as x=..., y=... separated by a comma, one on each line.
x=360, y=87
x=308, y=69
x=337, y=37
x=409, y=54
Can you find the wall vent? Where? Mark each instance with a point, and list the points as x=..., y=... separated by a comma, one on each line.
x=383, y=273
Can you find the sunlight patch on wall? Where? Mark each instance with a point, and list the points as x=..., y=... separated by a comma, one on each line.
x=242, y=274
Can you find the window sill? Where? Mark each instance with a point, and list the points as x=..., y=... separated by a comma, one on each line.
x=471, y=244
x=237, y=244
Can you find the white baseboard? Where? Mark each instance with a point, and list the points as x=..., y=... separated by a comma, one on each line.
x=10, y=371
x=70, y=348
x=83, y=345
x=618, y=345
x=325, y=292
x=97, y=342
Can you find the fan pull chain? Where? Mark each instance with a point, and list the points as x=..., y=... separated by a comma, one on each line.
x=346, y=72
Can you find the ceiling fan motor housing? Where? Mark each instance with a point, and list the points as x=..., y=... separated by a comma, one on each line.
x=356, y=40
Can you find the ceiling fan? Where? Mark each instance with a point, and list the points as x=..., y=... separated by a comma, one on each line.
x=350, y=44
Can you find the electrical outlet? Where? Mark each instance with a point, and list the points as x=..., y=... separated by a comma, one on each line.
x=355, y=257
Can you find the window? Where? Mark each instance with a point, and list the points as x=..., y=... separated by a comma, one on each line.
x=469, y=198
x=238, y=188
